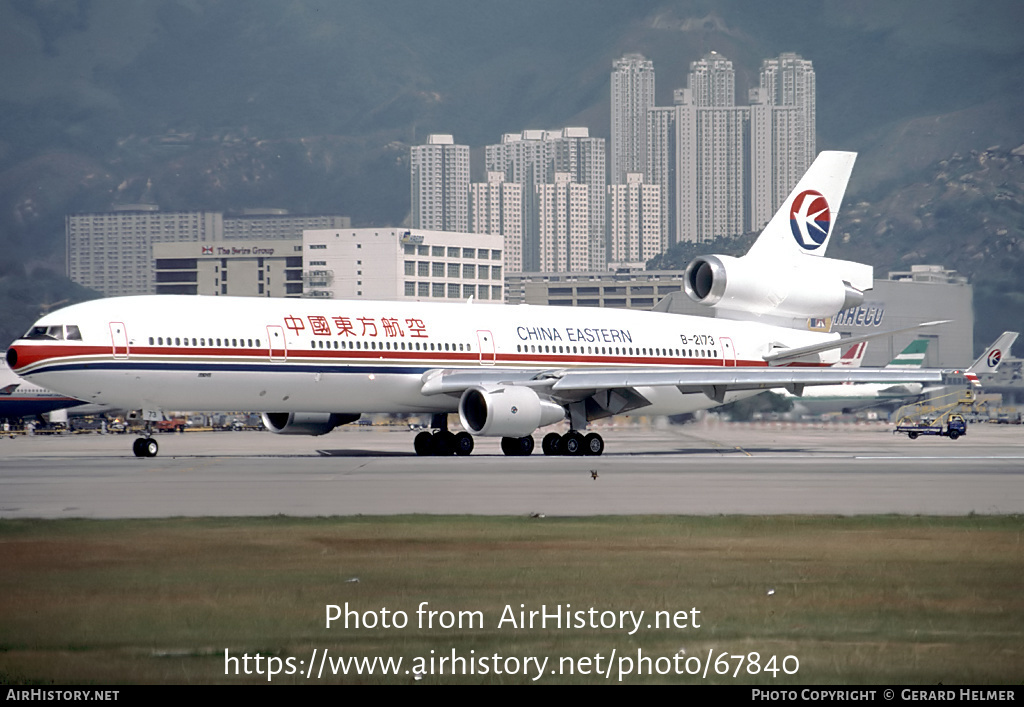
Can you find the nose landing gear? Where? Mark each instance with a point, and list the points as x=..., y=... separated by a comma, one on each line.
x=145, y=447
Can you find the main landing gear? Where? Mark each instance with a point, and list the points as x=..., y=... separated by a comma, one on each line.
x=572, y=444
x=441, y=442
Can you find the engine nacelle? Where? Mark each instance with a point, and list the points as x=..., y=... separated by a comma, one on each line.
x=306, y=423
x=792, y=288
x=509, y=411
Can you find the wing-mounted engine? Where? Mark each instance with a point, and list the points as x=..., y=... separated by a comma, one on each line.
x=306, y=423
x=785, y=291
x=506, y=411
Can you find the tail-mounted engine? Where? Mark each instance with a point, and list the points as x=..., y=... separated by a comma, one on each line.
x=783, y=290
x=508, y=411
x=306, y=423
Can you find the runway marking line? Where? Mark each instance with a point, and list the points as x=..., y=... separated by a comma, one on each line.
x=943, y=458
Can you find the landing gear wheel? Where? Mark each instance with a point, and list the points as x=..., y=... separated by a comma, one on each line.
x=517, y=446
x=525, y=446
x=137, y=447
x=149, y=447
x=593, y=444
x=424, y=444
x=444, y=443
x=551, y=444
x=464, y=444
x=572, y=443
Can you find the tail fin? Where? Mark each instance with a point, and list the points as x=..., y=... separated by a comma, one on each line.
x=912, y=356
x=853, y=357
x=803, y=224
x=989, y=361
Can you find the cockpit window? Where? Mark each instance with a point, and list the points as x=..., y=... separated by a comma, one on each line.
x=54, y=332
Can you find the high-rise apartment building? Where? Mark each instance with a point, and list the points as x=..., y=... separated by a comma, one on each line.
x=496, y=208
x=712, y=81
x=440, y=185
x=632, y=95
x=112, y=252
x=277, y=223
x=711, y=154
x=563, y=225
x=583, y=158
x=783, y=140
x=532, y=158
x=525, y=159
x=661, y=166
x=634, y=222
x=724, y=169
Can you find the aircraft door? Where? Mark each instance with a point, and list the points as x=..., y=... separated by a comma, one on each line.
x=119, y=339
x=278, y=347
x=728, y=351
x=486, y=341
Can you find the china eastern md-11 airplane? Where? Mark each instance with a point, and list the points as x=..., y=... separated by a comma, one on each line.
x=312, y=365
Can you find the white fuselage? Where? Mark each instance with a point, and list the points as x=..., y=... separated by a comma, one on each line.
x=168, y=352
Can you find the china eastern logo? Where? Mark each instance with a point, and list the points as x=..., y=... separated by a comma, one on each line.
x=993, y=358
x=810, y=219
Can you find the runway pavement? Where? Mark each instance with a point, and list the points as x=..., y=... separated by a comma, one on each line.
x=701, y=469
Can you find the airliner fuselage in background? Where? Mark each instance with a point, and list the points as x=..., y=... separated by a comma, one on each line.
x=311, y=365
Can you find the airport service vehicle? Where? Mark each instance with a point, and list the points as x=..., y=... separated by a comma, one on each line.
x=952, y=426
x=174, y=424
x=312, y=365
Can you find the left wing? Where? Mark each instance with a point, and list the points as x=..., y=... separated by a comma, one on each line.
x=573, y=384
x=715, y=382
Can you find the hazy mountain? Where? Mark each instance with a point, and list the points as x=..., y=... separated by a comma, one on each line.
x=313, y=106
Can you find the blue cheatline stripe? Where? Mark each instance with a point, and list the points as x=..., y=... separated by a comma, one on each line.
x=158, y=366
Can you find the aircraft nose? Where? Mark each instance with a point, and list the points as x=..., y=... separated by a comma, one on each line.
x=12, y=357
